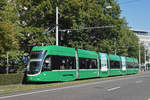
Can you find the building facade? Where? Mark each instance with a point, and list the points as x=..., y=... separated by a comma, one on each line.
x=144, y=37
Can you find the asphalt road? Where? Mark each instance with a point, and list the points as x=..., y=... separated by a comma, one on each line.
x=130, y=88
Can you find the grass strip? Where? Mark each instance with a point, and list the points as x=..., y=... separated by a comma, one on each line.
x=29, y=87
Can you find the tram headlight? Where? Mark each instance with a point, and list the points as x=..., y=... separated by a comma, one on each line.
x=44, y=74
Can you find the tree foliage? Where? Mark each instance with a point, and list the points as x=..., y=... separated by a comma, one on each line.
x=9, y=29
x=8, y=38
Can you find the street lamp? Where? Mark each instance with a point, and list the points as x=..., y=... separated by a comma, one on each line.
x=57, y=26
x=115, y=46
x=57, y=34
x=139, y=57
x=145, y=58
x=7, y=69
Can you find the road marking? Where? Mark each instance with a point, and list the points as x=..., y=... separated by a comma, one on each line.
x=111, y=89
x=139, y=81
x=75, y=86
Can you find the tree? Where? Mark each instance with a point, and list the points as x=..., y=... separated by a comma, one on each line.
x=34, y=18
x=93, y=13
x=9, y=29
x=37, y=15
x=8, y=40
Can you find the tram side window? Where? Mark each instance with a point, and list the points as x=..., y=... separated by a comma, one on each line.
x=51, y=63
x=130, y=65
x=54, y=62
x=114, y=64
x=136, y=65
x=93, y=64
x=86, y=63
x=67, y=62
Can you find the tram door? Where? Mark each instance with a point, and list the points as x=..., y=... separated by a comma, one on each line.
x=104, y=65
x=123, y=66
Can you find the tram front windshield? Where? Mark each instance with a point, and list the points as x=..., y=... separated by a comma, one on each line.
x=35, y=63
x=34, y=67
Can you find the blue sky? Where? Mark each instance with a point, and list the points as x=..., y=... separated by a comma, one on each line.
x=137, y=13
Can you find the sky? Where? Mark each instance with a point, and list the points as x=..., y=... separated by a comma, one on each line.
x=136, y=13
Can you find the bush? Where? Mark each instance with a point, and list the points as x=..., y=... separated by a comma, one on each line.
x=7, y=79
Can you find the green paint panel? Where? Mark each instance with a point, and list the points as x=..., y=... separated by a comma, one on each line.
x=136, y=71
x=49, y=76
x=114, y=57
x=99, y=55
x=131, y=71
x=123, y=72
x=135, y=60
x=56, y=50
x=68, y=75
x=46, y=76
x=115, y=72
x=104, y=73
x=88, y=73
x=129, y=59
x=87, y=54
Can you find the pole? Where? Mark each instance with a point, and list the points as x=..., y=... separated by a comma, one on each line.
x=57, y=26
x=145, y=60
x=7, y=63
x=139, y=58
x=115, y=45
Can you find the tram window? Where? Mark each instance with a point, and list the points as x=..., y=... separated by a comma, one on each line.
x=47, y=64
x=136, y=65
x=51, y=63
x=56, y=62
x=93, y=64
x=130, y=65
x=114, y=64
x=67, y=62
x=59, y=63
x=82, y=63
x=86, y=63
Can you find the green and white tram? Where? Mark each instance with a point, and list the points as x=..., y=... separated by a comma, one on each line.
x=58, y=63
